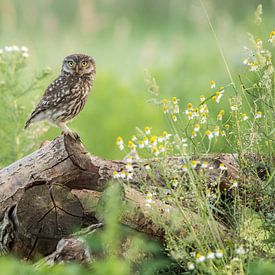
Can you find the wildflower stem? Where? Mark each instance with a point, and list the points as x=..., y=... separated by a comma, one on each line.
x=219, y=46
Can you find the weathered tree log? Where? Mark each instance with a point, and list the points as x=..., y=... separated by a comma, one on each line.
x=45, y=209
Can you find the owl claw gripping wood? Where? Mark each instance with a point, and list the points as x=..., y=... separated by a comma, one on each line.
x=66, y=96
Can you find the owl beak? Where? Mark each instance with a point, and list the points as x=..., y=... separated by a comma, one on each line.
x=76, y=69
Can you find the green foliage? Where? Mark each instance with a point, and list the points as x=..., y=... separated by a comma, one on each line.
x=14, y=141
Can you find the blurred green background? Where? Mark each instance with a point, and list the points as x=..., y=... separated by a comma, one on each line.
x=170, y=39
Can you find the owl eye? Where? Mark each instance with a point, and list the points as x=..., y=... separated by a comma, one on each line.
x=71, y=63
x=84, y=63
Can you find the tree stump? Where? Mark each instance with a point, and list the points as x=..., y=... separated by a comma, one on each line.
x=45, y=214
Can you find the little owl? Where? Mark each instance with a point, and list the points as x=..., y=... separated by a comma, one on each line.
x=66, y=96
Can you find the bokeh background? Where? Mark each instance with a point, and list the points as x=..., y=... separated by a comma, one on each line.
x=171, y=39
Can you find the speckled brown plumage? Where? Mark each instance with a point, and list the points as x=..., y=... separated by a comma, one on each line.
x=66, y=96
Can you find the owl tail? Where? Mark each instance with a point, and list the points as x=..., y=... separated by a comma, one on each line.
x=29, y=121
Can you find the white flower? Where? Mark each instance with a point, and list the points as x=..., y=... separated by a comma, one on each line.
x=240, y=250
x=24, y=49
x=161, y=148
x=15, y=48
x=204, y=165
x=209, y=134
x=190, y=266
x=160, y=139
x=271, y=37
x=147, y=130
x=253, y=66
x=194, y=134
x=175, y=182
x=219, y=253
x=167, y=208
x=194, y=164
x=129, y=167
x=245, y=61
x=165, y=135
x=216, y=131
x=121, y=147
x=222, y=167
x=175, y=100
x=8, y=49
x=25, y=55
x=258, y=115
x=134, y=138
x=234, y=184
x=1, y=51
x=141, y=144
x=259, y=43
x=146, y=141
x=155, y=151
x=176, y=109
x=122, y=174
x=212, y=84
x=119, y=142
x=148, y=205
x=234, y=107
x=116, y=175
x=200, y=258
x=196, y=127
x=210, y=255
x=244, y=116
x=130, y=176
x=147, y=166
x=184, y=168
x=129, y=159
x=174, y=118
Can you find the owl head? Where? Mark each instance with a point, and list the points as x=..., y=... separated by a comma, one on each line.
x=78, y=64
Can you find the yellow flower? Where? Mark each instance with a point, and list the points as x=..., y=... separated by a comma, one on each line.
x=147, y=130
x=184, y=168
x=141, y=144
x=175, y=100
x=190, y=106
x=164, y=100
x=194, y=134
x=204, y=165
x=161, y=148
x=212, y=84
x=244, y=116
x=254, y=66
x=174, y=118
x=259, y=43
x=153, y=140
x=155, y=151
x=165, y=109
x=202, y=98
x=209, y=134
x=217, y=131
x=194, y=164
x=196, y=127
x=258, y=115
x=272, y=36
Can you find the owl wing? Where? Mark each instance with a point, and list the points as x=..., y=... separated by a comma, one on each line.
x=54, y=94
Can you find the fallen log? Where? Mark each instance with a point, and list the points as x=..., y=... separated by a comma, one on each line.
x=37, y=204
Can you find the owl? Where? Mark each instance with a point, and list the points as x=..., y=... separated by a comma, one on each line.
x=66, y=96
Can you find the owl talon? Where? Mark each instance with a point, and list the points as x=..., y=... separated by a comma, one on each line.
x=73, y=135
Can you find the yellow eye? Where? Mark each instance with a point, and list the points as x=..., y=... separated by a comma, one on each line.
x=84, y=63
x=71, y=63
